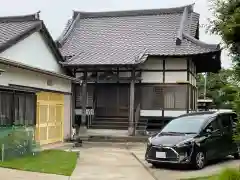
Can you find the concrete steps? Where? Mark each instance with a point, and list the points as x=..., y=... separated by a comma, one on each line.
x=120, y=123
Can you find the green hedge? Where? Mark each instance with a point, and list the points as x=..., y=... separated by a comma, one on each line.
x=16, y=141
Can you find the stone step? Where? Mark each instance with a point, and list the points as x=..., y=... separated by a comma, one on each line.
x=111, y=119
x=117, y=123
x=109, y=126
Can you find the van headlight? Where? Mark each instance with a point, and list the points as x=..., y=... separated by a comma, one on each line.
x=149, y=141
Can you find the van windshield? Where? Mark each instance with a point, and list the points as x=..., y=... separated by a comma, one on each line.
x=185, y=124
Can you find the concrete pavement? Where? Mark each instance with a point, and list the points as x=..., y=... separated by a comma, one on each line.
x=171, y=173
x=109, y=163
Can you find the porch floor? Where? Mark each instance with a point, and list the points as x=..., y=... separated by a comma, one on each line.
x=107, y=132
x=110, y=135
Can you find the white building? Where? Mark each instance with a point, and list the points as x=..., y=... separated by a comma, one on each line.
x=34, y=89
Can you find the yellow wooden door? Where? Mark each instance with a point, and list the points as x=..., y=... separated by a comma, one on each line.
x=50, y=117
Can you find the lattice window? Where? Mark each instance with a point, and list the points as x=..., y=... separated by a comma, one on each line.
x=17, y=108
x=155, y=97
x=151, y=97
x=6, y=104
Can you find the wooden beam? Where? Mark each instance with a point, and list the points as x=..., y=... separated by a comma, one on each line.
x=163, y=80
x=84, y=104
x=131, y=128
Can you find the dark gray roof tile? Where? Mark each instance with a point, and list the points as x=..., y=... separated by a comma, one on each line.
x=14, y=27
x=117, y=37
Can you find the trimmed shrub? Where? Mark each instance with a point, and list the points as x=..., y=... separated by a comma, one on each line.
x=16, y=141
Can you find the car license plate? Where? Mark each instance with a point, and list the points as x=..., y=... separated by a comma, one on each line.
x=160, y=154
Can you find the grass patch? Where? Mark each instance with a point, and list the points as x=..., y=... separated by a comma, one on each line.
x=202, y=178
x=226, y=174
x=48, y=161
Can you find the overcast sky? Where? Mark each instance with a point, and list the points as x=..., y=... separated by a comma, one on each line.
x=55, y=13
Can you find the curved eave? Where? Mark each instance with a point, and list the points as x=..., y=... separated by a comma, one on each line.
x=213, y=47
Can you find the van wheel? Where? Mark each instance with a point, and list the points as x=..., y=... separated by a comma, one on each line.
x=199, y=160
x=155, y=165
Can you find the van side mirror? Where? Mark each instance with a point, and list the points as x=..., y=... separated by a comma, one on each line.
x=208, y=130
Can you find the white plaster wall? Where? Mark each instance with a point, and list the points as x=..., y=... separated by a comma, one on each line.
x=153, y=63
x=67, y=116
x=173, y=113
x=158, y=113
x=149, y=113
x=175, y=63
x=152, y=77
x=28, y=78
x=33, y=51
x=174, y=77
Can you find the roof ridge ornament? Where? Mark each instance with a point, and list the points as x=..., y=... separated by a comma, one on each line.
x=140, y=57
x=181, y=28
x=64, y=36
x=37, y=15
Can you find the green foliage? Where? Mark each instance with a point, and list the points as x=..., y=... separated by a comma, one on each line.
x=220, y=88
x=226, y=22
x=16, y=141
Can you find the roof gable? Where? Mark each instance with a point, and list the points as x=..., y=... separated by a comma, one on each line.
x=16, y=28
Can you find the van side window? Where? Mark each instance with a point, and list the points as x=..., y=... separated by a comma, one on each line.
x=225, y=120
x=214, y=126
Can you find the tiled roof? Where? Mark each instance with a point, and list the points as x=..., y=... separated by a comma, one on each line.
x=109, y=57
x=15, y=28
x=119, y=37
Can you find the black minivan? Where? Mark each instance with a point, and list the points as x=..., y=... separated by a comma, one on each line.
x=194, y=139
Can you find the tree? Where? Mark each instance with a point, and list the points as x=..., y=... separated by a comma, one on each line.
x=220, y=88
x=226, y=23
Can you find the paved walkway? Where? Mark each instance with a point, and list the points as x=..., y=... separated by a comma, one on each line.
x=109, y=163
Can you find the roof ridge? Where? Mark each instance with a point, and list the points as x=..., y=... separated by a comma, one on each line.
x=68, y=30
x=201, y=43
x=28, y=17
x=143, y=12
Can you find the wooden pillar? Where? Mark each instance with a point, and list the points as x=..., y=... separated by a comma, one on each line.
x=188, y=85
x=131, y=128
x=83, y=127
